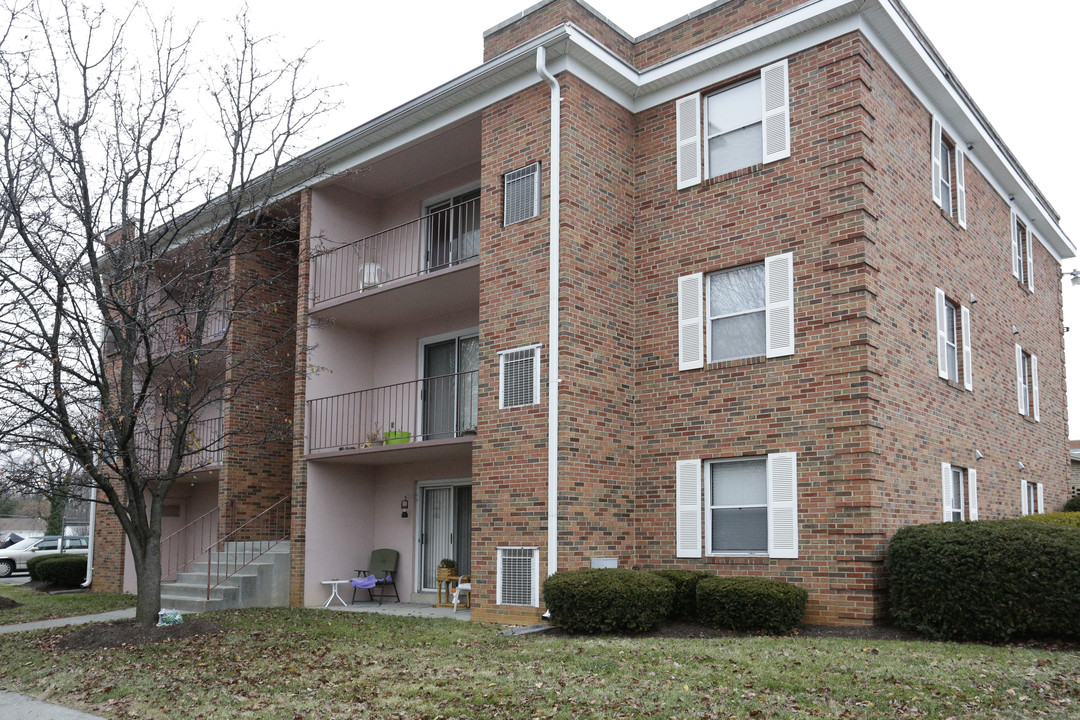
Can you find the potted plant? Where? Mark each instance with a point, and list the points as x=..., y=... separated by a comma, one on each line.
x=374, y=438
x=396, y=437
x=446, y=570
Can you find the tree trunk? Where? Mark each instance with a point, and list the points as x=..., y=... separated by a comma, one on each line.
x=148, y=579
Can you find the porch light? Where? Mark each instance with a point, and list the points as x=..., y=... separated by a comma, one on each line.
x=405, y=507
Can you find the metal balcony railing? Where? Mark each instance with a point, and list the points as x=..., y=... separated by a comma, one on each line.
x=429, y=409
x=433, y=242
x=203, y=447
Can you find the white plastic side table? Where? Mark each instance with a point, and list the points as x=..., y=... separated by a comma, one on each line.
x=334, y=591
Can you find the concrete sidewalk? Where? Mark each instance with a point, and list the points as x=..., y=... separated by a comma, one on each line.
x=14, y=705
x=127, y=614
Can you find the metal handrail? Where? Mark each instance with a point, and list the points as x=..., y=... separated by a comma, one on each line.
x=247, y=543
x=432, y=408
x=433, y=242
x=188, y=545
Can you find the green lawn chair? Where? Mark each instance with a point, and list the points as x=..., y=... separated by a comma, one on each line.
x=380, y=574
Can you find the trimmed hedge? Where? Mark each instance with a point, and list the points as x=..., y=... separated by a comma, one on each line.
x=65, y=570
x=750, y=603
x=1061, y=518
x=684, y=604
x=1072, y=504
x=991, y=580
x=609, y=600
x=32, y=563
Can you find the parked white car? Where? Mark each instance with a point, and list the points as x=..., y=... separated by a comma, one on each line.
x=15, y=557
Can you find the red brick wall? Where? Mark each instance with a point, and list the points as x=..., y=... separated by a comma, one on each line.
x=550, y=16
x=815, y=403
x=926, y=420
x=298, y=534
x=257, y=466
x=109, y=545
x=509, y=456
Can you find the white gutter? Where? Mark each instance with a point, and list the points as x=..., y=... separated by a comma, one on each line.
x=90, y=552
x=553, y=318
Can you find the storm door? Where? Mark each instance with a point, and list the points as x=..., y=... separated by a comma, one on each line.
x=445, y=531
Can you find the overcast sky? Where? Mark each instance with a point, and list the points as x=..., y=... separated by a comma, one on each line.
x=1020, y=67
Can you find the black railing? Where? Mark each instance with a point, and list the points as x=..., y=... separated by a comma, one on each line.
x=433, y=242
x=429, y=409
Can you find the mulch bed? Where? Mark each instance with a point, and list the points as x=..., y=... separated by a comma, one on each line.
x=6, y=603
x=124, y=633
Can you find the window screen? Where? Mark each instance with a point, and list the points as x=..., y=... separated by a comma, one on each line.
x=519, y=376
x=521, y=194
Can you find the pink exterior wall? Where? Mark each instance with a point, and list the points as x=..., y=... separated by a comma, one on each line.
x=359, y=510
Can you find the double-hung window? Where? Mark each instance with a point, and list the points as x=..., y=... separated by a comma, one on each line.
x=947, y=164
x=750, y=506
x=953, y=340
x=744, y=125
x=1021, y=251
x=1031, y=497
x=743, y=312
x=1027, y=383
x=959, y=493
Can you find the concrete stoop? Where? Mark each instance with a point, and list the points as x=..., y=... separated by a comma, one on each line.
x=262, y=583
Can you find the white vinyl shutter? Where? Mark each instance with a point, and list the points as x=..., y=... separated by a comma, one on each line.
x=783, y=505
x=1030, y=269
x=973, y=494
x=1024, y=509
x=1039, y=491
x=935, y=159
x=961, y=190
x=1035, y=387
x=691, y=322
x=688, y=508
x=1021, y=382
x=779, y=305
x=942, y=334
x=1015, y=243
x=688, y=141
x=965, y=329
x=946, y=492
x=775, y=112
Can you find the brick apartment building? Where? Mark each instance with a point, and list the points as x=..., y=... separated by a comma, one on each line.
x=745, y=294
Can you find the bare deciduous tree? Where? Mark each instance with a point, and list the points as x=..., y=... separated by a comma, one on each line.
x=131, y=249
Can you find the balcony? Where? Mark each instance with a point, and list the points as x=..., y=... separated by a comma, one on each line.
x=441, y=248
x=203, y=449
x=431, y=418
x=175, y=333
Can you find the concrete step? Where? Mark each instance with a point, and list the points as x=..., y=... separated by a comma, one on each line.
x=264, y=582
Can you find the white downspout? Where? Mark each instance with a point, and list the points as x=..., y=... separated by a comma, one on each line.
x=90, y=552
x=553, y=320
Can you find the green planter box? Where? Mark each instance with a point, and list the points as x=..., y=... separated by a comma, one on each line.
x=397, y=437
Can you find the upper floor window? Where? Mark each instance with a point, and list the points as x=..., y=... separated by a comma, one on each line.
x=953, y=340
x=1027, y=383
x=1021, y=250
x=745, y=125
x=947, y=164
x=747, y=311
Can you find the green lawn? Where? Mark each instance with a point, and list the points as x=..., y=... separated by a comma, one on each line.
x=42, y=606
x=321, y=664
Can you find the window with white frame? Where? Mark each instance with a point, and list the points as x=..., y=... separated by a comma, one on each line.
x=1031, y=497
x=745, y=124
x=517, y=579
x=1021, y=251
x=953, y=340
x=519, y=377
x=750, y=506
x=959, y=493
x=521, y=194
x=947, y=163
x=743, y=312
x=1027, y=383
